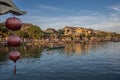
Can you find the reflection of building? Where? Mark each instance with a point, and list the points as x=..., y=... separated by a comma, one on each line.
x=0, y=33
x=0, y=36
x=86, y=48
x=69, y=48
x=78, y=48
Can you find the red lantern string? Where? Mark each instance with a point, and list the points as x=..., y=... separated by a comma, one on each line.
x=13, y=24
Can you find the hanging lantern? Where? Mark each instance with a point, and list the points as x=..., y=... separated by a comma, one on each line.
x=13, y=41
x=14, y=56
x=13, y=23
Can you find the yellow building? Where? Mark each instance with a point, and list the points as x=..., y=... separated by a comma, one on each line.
x=69, y=30
x=50, y=30
x=51, y=33
x=76, y=31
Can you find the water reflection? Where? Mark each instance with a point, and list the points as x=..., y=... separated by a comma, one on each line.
x=3, y=53
x=34, y=51
x=29, y=51
x=14, y=71
x=77, y=48
x=103, y=57
x=14, y=56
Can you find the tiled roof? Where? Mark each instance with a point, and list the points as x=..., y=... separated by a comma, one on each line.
x=7, y=6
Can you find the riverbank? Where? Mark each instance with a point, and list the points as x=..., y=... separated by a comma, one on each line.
x=56, y=43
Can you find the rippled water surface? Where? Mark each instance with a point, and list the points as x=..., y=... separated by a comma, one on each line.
x=100, y=61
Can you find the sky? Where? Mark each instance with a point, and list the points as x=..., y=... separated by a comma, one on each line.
x=95, y=14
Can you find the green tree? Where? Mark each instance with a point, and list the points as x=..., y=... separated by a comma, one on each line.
x=4, y=30
x=103, y=34
x=61, y=32
x=22, y=34
x=35, y=32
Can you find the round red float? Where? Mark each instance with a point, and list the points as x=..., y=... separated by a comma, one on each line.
x=13, y=41
x=13, y=23
x=14, y=56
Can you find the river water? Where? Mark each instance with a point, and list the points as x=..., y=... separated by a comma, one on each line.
x=99, y=61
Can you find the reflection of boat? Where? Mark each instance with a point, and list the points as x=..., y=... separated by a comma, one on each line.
x=55, y=47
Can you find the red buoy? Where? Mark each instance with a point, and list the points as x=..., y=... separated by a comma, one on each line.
x=14, y=56
x=13, y=41
x=13, y=23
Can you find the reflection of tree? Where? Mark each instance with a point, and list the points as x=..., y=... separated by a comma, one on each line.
x=30, y=51
x=34, y=51
x=3, y=53
x=26, y=52
x=86, y=48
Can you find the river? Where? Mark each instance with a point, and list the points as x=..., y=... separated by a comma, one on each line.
x=99, y=61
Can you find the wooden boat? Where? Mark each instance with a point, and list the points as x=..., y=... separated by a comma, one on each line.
x=55, y=47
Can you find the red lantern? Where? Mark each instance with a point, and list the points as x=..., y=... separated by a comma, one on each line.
x=13, y=41
x=13, y=23
x=14, y=56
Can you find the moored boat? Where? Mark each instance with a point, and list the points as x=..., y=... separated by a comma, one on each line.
x=55, y=47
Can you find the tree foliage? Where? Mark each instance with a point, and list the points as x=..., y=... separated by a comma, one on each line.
x=35, y=32
x=61, y=32
x=4, y=30
x=22, y=34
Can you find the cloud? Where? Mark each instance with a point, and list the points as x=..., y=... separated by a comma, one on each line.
x=39, y=8
x=94, y=20
x=110, y=22
x=48, y=7
x=114, y=7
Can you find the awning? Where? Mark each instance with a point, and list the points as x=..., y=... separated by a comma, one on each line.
x=7, y=6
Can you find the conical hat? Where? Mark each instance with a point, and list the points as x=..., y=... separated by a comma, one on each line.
x=7, y=6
